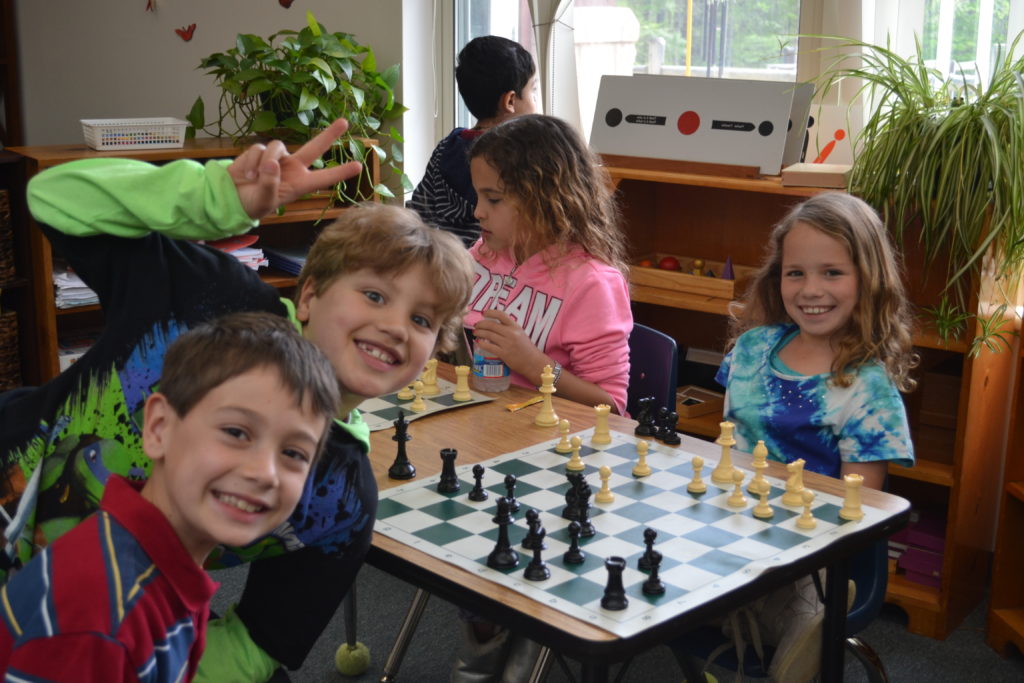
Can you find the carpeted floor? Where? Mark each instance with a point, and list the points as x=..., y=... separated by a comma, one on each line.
x=383, y=600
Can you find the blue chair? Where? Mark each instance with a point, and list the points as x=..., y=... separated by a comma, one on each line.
x=653, y=368
x=870, y=572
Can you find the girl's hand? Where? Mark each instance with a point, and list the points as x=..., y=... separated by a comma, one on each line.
x=500, y=335
x=267, y=176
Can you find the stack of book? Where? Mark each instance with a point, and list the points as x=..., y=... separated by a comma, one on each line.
x=288, y=259
x=71, y=291
x=241, y=247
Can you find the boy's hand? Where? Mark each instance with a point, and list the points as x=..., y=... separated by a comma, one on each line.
x=267, y=176
x=499, y=334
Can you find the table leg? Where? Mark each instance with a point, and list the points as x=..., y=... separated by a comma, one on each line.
x=593, y=672
x=833, y=631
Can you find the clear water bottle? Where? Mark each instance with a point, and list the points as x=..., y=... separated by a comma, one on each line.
x=490, y=374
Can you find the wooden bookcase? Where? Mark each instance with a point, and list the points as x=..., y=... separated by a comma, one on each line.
x=1006, y=602
x=669, y=210
x=43, y=323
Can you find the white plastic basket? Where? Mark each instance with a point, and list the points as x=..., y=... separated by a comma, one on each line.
x=107, y=134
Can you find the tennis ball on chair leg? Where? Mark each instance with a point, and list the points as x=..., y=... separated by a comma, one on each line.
x=352, y=660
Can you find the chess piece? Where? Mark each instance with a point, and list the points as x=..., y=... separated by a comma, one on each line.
x=614, y=597
x=722, y=474
x=537, y=570
x=571, y=511
x=478, y=493
x=669, y=435
x=429, y=378
x=401, y=469
x=563, y=446
x=449, y=482
x=605, y=495
x=510, y=493
x=504, y=555
x=462, y=392
x=575, y=463
x=546, y=417
x=763, y=510
x=653, y=585
x=574, y=555
x=851, y=509
x=406, y=393
x=532, y=526
x=641, y=469
x=645, y=561
x=587, y=529
x=659, y=423
x=698, y=267
x=794, y=484
x=697, y=484
x=737, y=499
x=728, y=272
x=602, y=434
x=418, y=405
x=645, y=416
x=760, y=464
x=806, y=520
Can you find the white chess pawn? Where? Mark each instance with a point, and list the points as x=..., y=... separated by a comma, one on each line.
x=405, y=393
x=418, y=405
x=575, y=463
x=563, y=446
x=697, y=484
x=641, y=469
x=806, y=519
x=605, y=495
x=737, y=499
x=763, y=510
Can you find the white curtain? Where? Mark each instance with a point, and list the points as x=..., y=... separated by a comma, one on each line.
x=556, y=58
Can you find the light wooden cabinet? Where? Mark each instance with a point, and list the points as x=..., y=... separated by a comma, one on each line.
x=958, y=415
x=44, y=323
x=1006, y=601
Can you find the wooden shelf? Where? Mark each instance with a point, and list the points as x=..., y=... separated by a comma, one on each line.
x=926, y=471
x=1016, y=490
x=703, y=425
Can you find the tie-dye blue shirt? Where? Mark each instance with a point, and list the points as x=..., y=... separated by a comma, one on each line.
x=807, y=416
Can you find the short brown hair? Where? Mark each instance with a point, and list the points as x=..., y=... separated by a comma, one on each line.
x=389, y=239
x=210, y=354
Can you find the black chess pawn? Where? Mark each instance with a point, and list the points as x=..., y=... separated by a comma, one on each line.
x=653, y=585
x=574, y=555
x=510, y=493
x=478, y=492
x=645, y=416
x=537, y=570
x=449, y=482
x=644, y=563
x=401, y=469
x=504, y=555
x=533, y=527
x=614, y=593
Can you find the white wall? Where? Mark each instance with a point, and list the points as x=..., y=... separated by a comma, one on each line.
x=111, y=58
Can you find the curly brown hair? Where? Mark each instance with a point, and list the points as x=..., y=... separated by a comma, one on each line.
x=880, y=328
x=565, y=196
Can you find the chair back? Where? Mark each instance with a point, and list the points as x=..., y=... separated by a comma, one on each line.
x=653, y=368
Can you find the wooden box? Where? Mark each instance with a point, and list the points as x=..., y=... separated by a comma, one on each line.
x=684, y=280
x=692, y=401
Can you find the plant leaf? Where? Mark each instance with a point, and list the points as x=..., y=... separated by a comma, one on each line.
x=264, y=121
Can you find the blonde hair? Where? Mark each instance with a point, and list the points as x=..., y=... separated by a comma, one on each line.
x=880, y=326
x=563, y=193
x=390, y=239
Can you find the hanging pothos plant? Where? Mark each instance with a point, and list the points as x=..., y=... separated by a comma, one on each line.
x=947, y=156
x=295, y=83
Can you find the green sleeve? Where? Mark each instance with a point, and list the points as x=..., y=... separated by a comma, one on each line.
x=129, y=198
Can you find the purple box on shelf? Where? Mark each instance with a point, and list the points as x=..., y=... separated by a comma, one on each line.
x=927, y=532
x=922, y=566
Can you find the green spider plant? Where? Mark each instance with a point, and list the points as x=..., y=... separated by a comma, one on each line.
x=293, y=84
x=945, y=156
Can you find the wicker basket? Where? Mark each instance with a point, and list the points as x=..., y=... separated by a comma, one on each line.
x=6, y=240
x=105, y=134
x=10, y=363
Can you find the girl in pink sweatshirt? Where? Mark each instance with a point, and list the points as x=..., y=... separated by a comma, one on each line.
x=550, y=283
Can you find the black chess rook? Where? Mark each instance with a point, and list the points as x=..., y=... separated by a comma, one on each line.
x=449, y=482
x=614, y=593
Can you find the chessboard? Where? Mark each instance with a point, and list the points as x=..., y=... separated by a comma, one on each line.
x=381, y=412
x=707, y=547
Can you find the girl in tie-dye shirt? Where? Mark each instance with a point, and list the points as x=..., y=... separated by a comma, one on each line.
x=822, y=347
